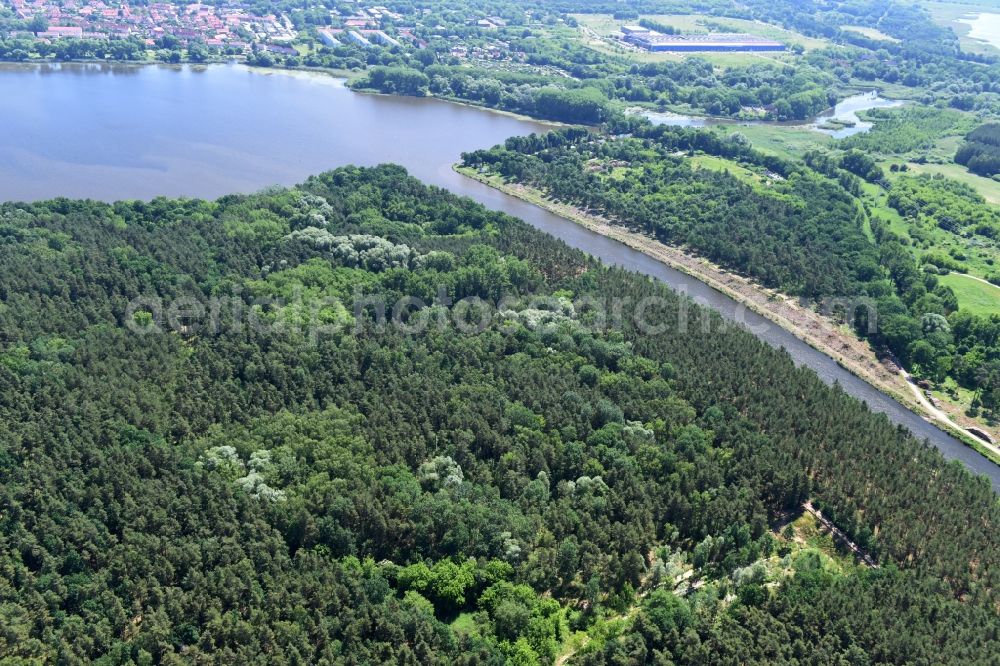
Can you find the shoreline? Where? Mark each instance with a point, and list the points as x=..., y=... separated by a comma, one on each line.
x=461, y=102
x=344, y=75
x=812, y=328
x=814, y=122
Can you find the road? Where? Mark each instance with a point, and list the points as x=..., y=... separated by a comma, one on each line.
x=941, y=416
x=839, y=535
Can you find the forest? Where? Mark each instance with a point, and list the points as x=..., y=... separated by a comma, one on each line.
x=907, y=130
x=981, y=150
x=763, y=230
x=215, y=447
x=535, y=96
x=796, y=226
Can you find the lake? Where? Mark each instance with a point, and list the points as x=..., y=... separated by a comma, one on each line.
x=114, y=132
x=984, y=28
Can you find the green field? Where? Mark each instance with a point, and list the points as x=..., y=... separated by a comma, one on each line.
x=702, y=23
x=871, y=33
x=980, y=255
x=987, y=187
x=972, y=294
x=785, y=140
x=876, y=200
x=606, y=27
x=714, y=163
x=466, y=624
x=811, y=537
x=913, y=132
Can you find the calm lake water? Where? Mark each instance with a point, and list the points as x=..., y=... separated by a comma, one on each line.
x=985, y=28
x=112, y=132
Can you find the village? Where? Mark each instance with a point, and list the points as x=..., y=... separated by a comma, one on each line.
x=231, y=26
x=237, y=29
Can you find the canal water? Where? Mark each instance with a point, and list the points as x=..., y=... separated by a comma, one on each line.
x=113, y=132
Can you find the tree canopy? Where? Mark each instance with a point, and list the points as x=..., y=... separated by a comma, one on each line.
x=271, y=484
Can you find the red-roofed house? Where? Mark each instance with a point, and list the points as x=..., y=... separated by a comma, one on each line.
x=56, y=32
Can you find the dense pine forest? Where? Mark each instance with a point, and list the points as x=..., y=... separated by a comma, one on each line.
x=215, y=449
x=799, y=226
x=799, y=233
x=981, y=150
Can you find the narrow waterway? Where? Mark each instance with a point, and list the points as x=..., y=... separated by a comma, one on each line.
x=843, y=117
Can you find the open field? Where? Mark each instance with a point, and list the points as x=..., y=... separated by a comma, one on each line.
x=805, y=537
x=597, y=29
x=947, y=147
x=871, y=33
x=713, y=163
x=605, y=25
x=913, y=133
x=978, y=254
x=977, y=251
x=987, y=187
x=890, y=90
x=783, y=140
x=979, y=297
x=875, y=199
x=754, y=177
x=612, y=48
